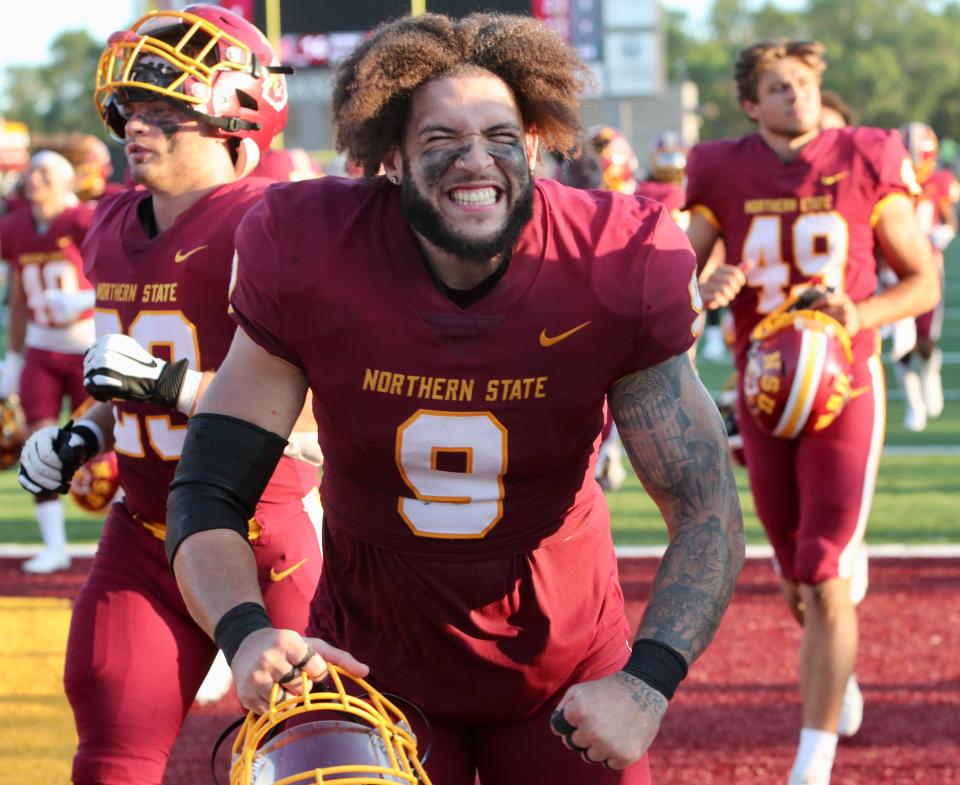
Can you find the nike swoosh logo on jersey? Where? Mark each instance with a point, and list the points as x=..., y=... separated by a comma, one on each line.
x=180, y=256
x=547, y=340
x=279, y=576
x=830, y=179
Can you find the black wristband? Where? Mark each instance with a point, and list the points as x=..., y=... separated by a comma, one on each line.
x=236, y=624
x=657, y=664
x=89, y=439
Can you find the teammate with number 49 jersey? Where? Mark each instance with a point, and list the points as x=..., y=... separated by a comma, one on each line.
x=800, y=208
x=806, y=222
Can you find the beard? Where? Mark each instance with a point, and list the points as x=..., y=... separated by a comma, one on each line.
x=427, y=221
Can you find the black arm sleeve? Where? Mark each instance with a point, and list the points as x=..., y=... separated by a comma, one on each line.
x=225, y=465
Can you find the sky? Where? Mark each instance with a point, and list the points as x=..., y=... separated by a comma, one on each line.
x=29, y=27
x=28, y=31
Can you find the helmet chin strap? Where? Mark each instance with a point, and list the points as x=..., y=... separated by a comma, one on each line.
x=248, y=156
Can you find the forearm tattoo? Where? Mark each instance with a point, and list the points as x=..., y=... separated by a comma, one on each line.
x=673, y=434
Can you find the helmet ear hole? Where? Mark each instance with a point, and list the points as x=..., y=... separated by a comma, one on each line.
x=247, y=101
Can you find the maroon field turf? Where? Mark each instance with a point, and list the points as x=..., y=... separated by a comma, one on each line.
x=735, y=720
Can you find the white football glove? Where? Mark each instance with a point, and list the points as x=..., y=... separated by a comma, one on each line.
x=10, y=373
x=51, y=455
x=941, y=236
x=65, y=307
x=116, y=366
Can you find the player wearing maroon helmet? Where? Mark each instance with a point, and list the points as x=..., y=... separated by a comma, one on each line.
x=665, y=173
x=194, y=95
x=51, y=319
x=916, y=349
x=467, y=543
x=798, y=208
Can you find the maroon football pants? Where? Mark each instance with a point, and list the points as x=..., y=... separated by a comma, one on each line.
x=48, y=378
x=512, y=753
x=813, y=493
x=135, y=658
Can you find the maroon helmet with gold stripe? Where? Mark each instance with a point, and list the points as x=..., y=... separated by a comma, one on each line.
x=204, y=59
x=797, y=377
x=95, y=484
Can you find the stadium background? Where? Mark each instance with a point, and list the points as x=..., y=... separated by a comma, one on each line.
x=733, y=721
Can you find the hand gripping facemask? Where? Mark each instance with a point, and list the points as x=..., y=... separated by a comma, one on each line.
x=347, y=733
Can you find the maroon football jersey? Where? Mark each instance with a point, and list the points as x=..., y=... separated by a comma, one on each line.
x=461, y=512
x=670, y=195
x=47, y=260
x=461, y=432
x=939, y=193
x=802, y=222
x=170, y=294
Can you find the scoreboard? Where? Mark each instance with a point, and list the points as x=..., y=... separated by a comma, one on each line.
x=309, y=16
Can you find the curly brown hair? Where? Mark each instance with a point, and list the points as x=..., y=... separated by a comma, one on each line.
x=754, y=60
x=374, y=84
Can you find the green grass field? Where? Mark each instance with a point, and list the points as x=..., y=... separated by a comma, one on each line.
x=915, y=502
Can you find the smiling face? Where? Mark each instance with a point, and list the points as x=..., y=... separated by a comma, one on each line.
x=788, y=99
x=465, y=164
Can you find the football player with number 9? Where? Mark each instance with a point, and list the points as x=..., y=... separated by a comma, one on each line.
x=801, y=209
x=468, y=558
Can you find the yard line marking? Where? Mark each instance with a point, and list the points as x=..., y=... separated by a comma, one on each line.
x=949, y=358
x=882, y=551
x=921, y=450
x=895, y=394
x=885, y=550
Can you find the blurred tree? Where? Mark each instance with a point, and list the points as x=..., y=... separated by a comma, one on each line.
x=892, y=60
x=56, y=96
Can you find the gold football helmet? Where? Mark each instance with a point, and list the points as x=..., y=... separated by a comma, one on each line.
x=336, y=736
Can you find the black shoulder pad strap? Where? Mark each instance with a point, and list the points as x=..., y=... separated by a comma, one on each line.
x=224, y=467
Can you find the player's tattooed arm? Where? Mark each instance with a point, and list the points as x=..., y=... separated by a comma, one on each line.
x=673, y=434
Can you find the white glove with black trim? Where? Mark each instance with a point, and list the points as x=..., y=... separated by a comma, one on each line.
x=51, y=455
x=116, y=366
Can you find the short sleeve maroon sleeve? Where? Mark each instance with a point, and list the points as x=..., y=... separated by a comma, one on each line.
x=670, y=300
x=894, y=169
x=700, y=186
x=254, y=291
